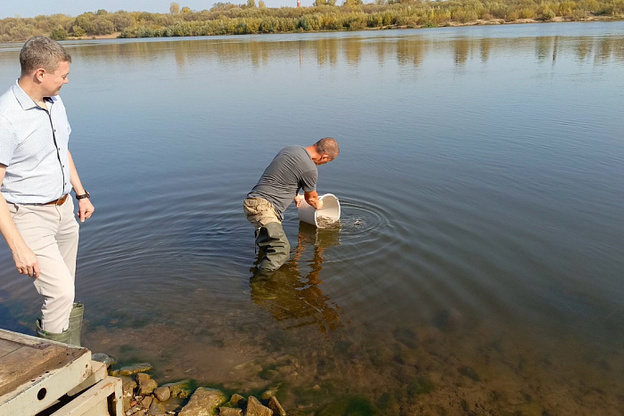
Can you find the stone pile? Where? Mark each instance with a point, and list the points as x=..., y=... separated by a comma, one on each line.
x=142, y=396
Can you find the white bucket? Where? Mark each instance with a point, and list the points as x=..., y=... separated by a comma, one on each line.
x=330, y=211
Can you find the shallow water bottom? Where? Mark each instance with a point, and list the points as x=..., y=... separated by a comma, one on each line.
x=448, y=367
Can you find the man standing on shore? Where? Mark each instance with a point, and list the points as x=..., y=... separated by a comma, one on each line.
x=37, y=173
x=293, y=169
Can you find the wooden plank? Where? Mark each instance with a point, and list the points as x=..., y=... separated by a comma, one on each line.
x=34, y=372
x=39, y=393
x=23, y=364
x=99, y=371
x=30, y=360
x=94, y=401
x=22, y=339
x=7, y=347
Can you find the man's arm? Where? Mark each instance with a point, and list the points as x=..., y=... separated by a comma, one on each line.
x=313, y=199
x=25, y=260
x=85, y=207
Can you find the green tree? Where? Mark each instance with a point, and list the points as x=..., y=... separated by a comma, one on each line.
x=221, y=6
x=78, y=31
x=22, y=31
x=228, y=18
x=121, y=20
x=94, y=25
x=102, y=26
x=59, y=33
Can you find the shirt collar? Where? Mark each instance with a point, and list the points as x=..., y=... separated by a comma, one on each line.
x=24, y=99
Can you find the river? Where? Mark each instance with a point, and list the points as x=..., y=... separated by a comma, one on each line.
x=478, y=265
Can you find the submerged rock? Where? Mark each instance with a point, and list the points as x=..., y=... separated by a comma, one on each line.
x=103, y=358
x=230, y=411
x=141, y=378
x=157, y=409
x=143, y=397
x=127, y=391
x=147, y=387
x=162, y=393
x=132, y=369
x=147, y=401
x=237, y=400
x=255, y=408
x=180, y=389
x=276, y=407
x=203, y=402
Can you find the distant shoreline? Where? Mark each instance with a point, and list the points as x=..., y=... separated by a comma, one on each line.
x=490, y=22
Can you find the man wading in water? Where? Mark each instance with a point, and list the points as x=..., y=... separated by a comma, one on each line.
x=294, y=168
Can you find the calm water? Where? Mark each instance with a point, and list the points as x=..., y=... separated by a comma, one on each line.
x=479, y=263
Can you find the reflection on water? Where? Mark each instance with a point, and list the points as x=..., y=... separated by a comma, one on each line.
x=293, y=294
x=410, y=47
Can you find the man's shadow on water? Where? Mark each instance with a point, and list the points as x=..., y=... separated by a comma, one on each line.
x=292, y=294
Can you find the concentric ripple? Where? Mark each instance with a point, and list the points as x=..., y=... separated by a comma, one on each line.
x=360, y=218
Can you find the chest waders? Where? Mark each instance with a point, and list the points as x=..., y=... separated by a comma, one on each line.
x=274, y=246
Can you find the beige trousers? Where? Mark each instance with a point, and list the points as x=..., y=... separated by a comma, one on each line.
x=259, y=212
x=51, y=232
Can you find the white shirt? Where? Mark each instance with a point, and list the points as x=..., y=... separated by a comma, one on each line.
x=34, y=144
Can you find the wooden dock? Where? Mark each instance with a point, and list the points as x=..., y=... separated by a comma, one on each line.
x=42, y=377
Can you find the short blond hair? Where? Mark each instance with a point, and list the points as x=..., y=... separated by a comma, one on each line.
x=328, y=146
x=42, y=52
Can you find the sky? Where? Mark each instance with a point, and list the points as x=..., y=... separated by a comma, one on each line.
x=32, y=8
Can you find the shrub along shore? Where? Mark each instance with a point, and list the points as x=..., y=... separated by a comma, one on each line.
x=231, y=19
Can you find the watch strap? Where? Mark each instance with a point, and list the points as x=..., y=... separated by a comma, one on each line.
x=83, y=196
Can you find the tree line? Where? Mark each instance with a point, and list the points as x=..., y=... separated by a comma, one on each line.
x=325, y=15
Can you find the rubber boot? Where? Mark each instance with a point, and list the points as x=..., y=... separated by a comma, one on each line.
x=62, y=337
x=75, y=324
x=273, y=243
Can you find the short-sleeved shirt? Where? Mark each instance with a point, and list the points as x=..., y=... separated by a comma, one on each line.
x=290, y=171
x=34, y=144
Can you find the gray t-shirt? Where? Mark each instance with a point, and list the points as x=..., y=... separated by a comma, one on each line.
x=291, y=170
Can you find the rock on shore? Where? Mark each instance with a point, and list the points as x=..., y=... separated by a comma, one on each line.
x=142, y=396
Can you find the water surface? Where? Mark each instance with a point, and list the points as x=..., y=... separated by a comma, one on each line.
x=478, y=264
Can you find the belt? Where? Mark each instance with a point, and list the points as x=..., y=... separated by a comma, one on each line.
x=59, y=201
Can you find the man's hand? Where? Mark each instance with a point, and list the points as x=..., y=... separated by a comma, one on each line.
x=26, y=262
x=85, y=209
x=298, y=200
x=313, y=199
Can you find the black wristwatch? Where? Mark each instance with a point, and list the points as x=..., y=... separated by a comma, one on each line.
x=83, y=196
